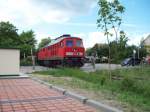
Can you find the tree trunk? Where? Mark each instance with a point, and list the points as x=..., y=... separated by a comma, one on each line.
x=109, y=58
x=116, y=31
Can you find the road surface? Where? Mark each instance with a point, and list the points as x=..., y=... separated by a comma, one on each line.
x=87, y=68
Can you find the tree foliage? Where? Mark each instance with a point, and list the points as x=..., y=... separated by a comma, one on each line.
x=108, y=17
x=120, y=46
x=9, y=37
x=27, y=43
x=100, y=49
x=44, y=42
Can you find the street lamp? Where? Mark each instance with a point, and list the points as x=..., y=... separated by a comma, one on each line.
x=134, y=52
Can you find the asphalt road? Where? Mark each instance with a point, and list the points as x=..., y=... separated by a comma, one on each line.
x=30, y=69
x=87, y=68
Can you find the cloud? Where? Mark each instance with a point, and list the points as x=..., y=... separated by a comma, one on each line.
x=31, y=12
x=28, y=14
x=91, y=38
x=135, y=38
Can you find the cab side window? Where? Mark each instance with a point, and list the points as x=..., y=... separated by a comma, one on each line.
x=61, y=44
x=79, y=43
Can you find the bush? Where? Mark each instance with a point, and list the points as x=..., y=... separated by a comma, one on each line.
x=127, y=83
x=146, y=90
x=26, y=62
x=137, y=86
x=98, y=60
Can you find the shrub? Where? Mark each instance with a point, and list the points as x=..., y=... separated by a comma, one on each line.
x=146, y=90
x=26, y=62
x=127, y=83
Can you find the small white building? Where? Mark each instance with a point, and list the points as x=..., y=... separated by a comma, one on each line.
x=9, y=61
x=146, y=43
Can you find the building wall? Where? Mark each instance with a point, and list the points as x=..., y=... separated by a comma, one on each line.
x=9, y=61
x=146, y=43
x=147, y=48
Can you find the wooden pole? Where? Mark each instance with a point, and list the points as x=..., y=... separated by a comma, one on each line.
x=33, y=60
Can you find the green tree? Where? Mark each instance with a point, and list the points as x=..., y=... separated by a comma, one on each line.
x=8, y=35
x=101, y=49
x=108, y=16
x=115, y=18
x=28, y=42
x=44, y=42
x=123, y=40
x=89, y=51
x=120, y=46
x=142, y=52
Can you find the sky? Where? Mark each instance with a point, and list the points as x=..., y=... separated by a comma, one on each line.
x=53, y=18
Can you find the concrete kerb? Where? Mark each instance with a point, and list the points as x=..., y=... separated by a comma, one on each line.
x=101, y=106
x=76, y=96
x=84, y=100
x=42, y=82
x=47, y=84
x=13, y=77
x=63, y=91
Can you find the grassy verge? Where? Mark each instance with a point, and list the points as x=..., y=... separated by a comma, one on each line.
x=130, y=86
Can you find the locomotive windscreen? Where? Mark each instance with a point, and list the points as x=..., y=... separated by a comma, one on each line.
x=79, y=43
x=69, y=43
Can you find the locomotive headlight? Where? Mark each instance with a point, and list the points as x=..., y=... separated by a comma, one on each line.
x=69, y=53
x=80, y=53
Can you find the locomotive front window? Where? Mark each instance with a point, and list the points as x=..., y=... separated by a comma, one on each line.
x=69, y=43
x=79, y=43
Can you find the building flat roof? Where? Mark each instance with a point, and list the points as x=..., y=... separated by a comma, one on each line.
x=11, y=48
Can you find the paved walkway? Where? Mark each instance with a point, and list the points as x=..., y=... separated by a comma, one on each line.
x=26, y=95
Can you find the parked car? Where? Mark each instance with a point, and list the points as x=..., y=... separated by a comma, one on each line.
x=131, y=62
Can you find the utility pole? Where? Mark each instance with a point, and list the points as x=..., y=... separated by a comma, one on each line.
x=139, y=46
x=24, y=55
x=134, y=52
x=138, y=53
x=33, y=60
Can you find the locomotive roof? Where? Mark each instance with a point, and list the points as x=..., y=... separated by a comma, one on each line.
x=54, y=41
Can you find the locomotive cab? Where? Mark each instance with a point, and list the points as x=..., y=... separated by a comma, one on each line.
x=74, y=51
x=74, y=47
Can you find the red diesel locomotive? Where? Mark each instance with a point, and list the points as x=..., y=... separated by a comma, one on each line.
x=64, y=50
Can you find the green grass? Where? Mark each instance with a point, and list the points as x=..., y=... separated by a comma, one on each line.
x=133, y=86
x=69, y=72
